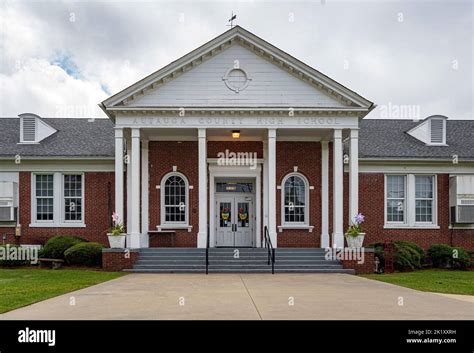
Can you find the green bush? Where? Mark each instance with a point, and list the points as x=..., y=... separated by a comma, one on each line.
x=87, y=254
x=6, y=256
x=56, y=246
x=445, y=256
x=407, y=256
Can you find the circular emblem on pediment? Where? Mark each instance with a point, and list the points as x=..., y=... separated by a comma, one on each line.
x=236, y=79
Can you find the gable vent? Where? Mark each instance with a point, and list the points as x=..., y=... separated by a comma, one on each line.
x=33, y=129
x=437, y=130
x=28, y=129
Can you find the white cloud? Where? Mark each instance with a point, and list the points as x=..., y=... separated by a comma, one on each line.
x=114, y=44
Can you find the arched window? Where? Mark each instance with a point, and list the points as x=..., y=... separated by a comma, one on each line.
x=295, y=200
x=174, y=199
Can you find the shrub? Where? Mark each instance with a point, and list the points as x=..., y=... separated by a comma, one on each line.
x=6, y=253
x=445, y=256
x=406, y=255
x=56, y=246
x=88, y=254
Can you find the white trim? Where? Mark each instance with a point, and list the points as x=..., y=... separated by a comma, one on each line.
x=216, y=171
x=47, y=166
x=419, y=167
x=298, y=225
x=410, y=200
x=58, y=202
x=173, y=225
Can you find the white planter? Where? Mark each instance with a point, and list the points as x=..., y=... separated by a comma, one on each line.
x=355, y=242
x=116, y=241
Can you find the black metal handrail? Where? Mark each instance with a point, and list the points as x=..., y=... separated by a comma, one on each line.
x=207, y=251
x=270, y=248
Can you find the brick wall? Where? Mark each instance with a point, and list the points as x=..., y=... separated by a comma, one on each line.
x=163, y=155
x=214, y=147
x=96, y=210
x=371, y=204
x=307, y=157
x=118, y=259
x=367, y=266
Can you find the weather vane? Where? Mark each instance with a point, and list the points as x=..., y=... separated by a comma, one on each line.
x=231, y=20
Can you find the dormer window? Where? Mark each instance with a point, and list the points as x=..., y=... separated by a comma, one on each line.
x=431, y=131
x=33, y=129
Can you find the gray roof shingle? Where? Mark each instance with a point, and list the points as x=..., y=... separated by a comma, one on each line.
x=383, y=138
x=378, y=138
x=75, y=138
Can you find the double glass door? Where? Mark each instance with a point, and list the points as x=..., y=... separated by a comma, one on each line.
x=235, y=220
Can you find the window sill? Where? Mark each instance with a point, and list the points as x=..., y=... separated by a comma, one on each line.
x=57, y=225
x=299, y=227
x=404, y=226
x=174, y=226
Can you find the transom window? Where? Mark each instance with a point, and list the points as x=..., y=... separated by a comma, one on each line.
x=410, y=200
x=174, y=199
x=295, y=199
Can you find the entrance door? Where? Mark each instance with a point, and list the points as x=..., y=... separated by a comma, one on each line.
x=234, y=221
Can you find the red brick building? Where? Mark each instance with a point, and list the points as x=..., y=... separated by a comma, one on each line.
x=233, y=139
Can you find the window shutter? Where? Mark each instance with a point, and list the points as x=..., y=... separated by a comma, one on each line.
x=437, y=131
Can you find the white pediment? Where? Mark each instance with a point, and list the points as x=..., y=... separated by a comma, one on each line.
x=256, y=82
x=236, y=70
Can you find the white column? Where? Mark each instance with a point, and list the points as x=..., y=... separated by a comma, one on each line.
x=144, y=243
x=202, y=161
x=353, y=174
x=324, y=194
x=119, y=174
x=338, y=185
x=265, y=189
x=135, y=190
x=272, y=186
x=128, y=160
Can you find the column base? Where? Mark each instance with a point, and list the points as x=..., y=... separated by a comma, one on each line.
x=133, y=240
x=337, y=240
x=325, y=240
x=202, y=240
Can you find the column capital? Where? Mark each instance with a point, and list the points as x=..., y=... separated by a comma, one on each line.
x=118, y=132
x=271, y=133
x=324, y=144
x=337, y=133
x=354, y=133
x=135, y=132
x=202, y=133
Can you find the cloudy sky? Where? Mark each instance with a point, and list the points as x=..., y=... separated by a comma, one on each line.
x=61, y=58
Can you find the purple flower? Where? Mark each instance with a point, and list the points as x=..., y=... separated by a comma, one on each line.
x=359, y=218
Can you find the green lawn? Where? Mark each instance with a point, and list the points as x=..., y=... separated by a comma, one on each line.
x=441, y=281
x=20, y=287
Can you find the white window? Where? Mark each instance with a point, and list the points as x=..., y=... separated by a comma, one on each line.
x=395, y=198
x=174, y=200
x=410, y=201
x=57, y=200
x=424, y=192
x=295, y=200
x=72, y=196
x=44, y=197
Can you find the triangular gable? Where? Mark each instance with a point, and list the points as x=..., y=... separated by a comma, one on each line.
x=234, y=38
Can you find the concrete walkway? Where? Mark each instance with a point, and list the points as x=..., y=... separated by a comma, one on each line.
x=246, y=296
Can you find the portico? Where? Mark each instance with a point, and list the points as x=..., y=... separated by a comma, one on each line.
x=293, y=117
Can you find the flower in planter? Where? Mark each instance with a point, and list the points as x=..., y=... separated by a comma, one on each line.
x=355, y=228
x=118, y=227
